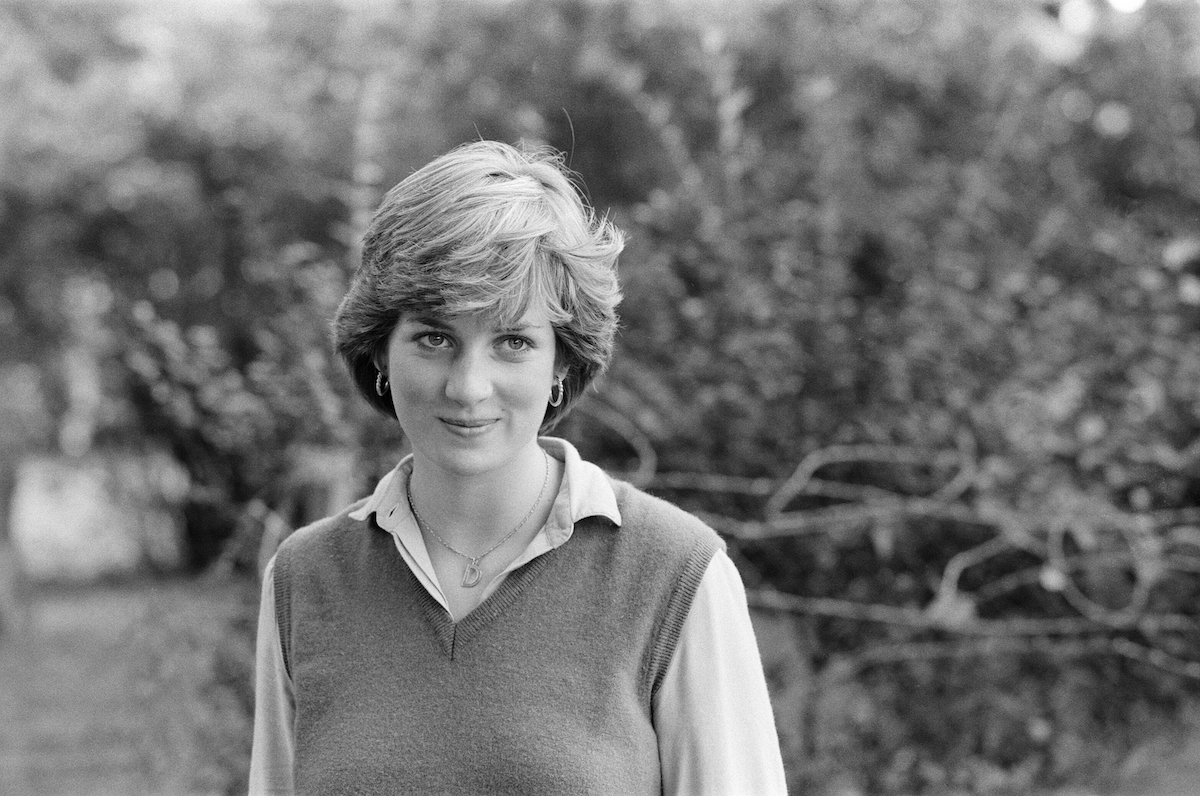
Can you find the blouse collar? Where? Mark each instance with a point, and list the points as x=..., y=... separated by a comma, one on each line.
x=585, y=492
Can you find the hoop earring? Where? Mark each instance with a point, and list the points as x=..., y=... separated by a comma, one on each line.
x=381, y=384
x=556, y=392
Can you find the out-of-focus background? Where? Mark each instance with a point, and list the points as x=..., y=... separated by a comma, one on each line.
x=912, y=318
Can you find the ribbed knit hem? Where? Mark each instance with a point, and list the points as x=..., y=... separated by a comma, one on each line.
x=666, y=637
x=283, y=606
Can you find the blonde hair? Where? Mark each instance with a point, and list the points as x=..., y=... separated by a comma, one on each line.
x=492, y=229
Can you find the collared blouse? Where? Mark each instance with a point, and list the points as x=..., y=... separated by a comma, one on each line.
x=712, y=714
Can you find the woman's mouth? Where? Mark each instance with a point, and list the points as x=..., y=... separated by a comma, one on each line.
x=468, y=427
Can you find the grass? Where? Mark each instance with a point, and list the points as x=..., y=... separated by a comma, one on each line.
x=130, y=689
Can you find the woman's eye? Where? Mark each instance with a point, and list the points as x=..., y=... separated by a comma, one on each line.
x=432, y=339
x=516, y=343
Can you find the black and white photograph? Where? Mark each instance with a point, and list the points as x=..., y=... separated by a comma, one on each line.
x=600, y=397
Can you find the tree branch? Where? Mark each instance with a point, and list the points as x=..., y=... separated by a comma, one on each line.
x=631, y=433
x=832, y=519
x=917, y=618
x=955, y=567
x=933, y=650
x=797, y=482
x=713, y=482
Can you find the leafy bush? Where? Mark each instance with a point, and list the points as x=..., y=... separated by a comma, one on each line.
x=911, y=317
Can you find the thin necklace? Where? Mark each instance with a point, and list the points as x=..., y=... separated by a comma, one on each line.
x=472, y=574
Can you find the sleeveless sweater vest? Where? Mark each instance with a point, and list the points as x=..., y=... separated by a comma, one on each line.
x=545, y=688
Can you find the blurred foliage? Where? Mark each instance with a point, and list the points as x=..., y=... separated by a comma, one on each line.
x=912, y=315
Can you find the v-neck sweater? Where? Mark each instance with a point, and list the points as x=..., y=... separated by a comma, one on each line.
x=545, y=687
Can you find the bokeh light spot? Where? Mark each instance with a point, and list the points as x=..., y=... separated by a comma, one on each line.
x=1077, y=17
x=1113, y=119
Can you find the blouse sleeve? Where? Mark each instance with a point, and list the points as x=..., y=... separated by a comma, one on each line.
x=716, y=729
x=274, y=708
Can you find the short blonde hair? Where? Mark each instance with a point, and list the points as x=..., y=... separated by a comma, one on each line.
x=486, y=228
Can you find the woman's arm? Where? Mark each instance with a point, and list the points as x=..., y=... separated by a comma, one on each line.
x=274, y=709
x=716, y=730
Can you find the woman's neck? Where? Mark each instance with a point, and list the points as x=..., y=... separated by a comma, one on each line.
x=474, y=510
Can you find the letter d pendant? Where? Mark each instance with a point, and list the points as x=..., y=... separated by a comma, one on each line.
x=471, y=574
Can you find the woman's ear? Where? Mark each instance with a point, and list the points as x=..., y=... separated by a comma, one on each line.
x=379, y=358
x=561, y=367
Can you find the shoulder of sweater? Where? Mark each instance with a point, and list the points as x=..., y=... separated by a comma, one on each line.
x=641, y=511
x=323, y=530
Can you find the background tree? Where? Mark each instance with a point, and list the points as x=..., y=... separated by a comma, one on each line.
x=911, y=313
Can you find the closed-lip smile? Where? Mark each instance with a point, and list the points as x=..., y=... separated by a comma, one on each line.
x=467, y=422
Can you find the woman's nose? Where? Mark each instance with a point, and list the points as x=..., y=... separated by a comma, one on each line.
x=469, y=380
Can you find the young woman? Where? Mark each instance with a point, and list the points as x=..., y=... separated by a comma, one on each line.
x=500, y=616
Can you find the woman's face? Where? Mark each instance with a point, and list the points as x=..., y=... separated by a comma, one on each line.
x=470, y=394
